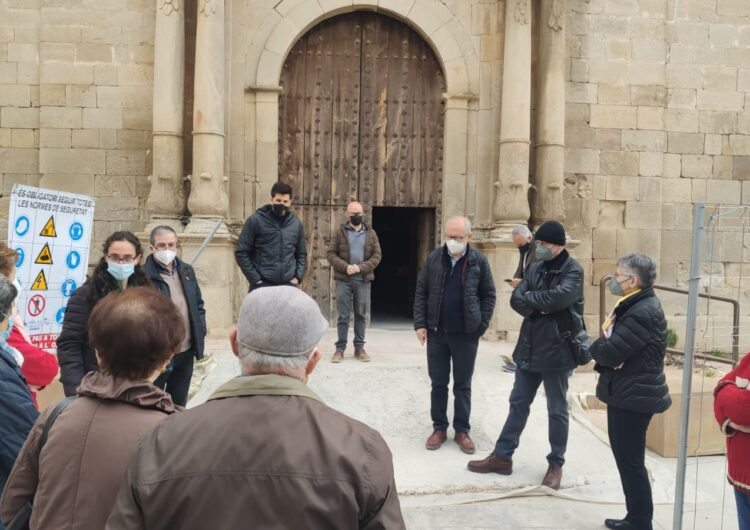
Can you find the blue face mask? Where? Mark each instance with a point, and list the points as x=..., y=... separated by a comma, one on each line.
x=5, y=334
x=120, y=271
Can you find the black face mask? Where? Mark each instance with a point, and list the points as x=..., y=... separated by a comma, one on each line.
x=523, y=249
x=279, y=210
x=355, y=220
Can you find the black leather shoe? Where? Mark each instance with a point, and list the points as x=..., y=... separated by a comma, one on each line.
x=618, y=524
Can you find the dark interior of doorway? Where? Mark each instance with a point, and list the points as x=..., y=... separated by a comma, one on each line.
x=407, y=235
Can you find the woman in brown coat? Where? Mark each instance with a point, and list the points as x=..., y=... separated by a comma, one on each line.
x=73, y=483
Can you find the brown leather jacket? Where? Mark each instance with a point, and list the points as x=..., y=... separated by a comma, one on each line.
x=263, y=452
x=338, y=253
x=83, y=462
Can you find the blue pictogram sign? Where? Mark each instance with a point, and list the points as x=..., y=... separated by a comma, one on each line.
x=21, y=256
x=68, y=286
x=60, y=315
x=73, y=260
x=22, y=225
x=76, y=231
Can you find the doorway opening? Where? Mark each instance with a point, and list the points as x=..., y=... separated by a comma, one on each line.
x=407, y=236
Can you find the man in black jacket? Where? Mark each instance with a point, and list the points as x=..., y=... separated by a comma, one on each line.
x=453, y=306
x=176, y=279
x=271, y=249
x=551, y=291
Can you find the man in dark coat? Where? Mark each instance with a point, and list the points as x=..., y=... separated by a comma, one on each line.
x=17, y=410
x=176, y=279
x=453, y=307
x=271, y=248
x=551, y=291
x=353, y=252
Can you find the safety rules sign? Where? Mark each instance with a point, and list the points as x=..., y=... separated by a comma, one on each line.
x=51, y=232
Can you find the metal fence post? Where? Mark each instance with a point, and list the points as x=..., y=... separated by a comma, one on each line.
x=687, y=374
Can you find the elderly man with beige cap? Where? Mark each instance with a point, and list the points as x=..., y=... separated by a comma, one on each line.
x=264, y=450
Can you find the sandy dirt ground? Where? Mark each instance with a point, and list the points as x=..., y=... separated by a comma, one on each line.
x=391, y=394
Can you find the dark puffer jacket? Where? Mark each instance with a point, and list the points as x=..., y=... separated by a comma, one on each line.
x=545, y=298
x=479, y=291
x=639, y=340
x=272, y=251
x=17, y=412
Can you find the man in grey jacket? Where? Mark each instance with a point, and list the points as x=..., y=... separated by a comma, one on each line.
x=271, y=248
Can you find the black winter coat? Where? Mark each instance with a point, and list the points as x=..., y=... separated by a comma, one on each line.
x=638, y=339
x=17, y=413
x=272, y=251
x=479, y=291
x=75, y=355
x=545, y=298
x=192, y=290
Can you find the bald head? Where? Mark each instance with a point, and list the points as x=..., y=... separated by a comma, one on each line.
x=354, y=208
x=457, y=226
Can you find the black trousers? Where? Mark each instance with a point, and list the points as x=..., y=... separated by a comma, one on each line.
x=177, y=380
x=627, y=436
x=442, y=348
x=522, y=396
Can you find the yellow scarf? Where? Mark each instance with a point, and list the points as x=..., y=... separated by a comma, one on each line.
x=611, y=317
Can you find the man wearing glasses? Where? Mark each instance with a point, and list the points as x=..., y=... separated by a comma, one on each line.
x=176, y=279
x=453, y=307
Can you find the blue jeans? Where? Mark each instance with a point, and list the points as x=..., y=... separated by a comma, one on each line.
x=743, y=508
x=352, y=295
x=521, y=398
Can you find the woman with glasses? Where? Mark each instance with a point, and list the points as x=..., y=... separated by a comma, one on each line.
x=17, y=410
x=118, y=269
x=630, y=360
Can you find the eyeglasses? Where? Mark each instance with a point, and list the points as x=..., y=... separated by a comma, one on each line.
x=166, y=246
x=125, y=260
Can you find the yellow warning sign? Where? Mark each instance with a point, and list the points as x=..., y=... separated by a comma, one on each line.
x=40, y=284
x=45, y=256
x=49, y=228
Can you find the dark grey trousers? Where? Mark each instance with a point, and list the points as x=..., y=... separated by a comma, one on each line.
x=352, y=295
x=521, y=398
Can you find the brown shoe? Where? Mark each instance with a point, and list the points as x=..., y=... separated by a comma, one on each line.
x=552, y=477
x=337, y=357
x=436, y=439
x=491, y=464
x=465, y=443
x=361, y=355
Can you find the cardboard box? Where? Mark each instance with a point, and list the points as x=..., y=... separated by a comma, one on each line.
x=704, y=435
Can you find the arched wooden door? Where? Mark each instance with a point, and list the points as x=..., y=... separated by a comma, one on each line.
x=360, y=117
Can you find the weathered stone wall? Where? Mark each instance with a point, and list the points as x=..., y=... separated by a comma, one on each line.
x=75, y=103
x=656, y=116
x=656, y=120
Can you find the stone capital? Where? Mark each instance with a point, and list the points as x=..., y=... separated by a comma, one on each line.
x=169, y=6
x=556, y=16
x=521, y=12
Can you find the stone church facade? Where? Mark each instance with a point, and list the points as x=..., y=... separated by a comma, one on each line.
x=614, y=116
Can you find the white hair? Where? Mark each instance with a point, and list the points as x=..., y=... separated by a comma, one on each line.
x=642, y=266
x=255, y=362
x=520, y=230
x=467, y=223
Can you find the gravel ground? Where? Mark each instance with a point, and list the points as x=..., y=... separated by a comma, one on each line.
x=391, y=394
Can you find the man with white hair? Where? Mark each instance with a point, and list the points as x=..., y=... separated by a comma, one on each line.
x=453, y=307
x=264, y=451
x=522, y=238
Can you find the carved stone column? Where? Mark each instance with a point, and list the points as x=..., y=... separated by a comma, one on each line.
x=166, y=199
x=208, y=195
x=511, y=205
x=550, y=113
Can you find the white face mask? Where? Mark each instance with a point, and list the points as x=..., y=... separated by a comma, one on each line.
x=165, y=257
x=17, y=285
x=454, y=247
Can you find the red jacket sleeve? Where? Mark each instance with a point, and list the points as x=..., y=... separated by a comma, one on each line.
x=39, y=366
x=730, y=401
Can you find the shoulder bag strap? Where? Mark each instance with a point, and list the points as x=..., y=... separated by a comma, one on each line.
x=61, y=406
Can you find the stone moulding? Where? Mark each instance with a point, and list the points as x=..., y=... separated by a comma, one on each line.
x=556, y=16
x=169, y=6
x=521, y=14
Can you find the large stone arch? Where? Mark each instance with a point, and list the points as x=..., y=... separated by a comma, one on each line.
x=430, y=18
